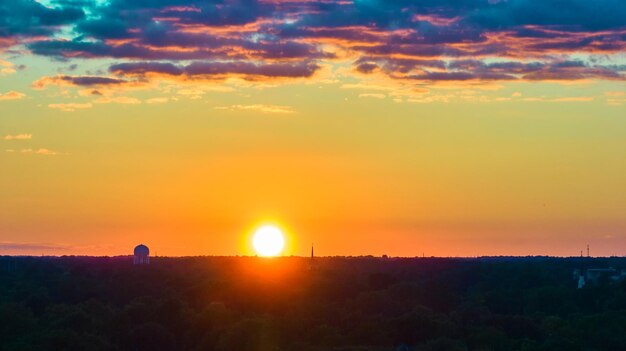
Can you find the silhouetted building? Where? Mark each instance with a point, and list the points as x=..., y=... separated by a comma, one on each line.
x=142, y=254
x=581, y=281
x=596, y=275
x=8, y=264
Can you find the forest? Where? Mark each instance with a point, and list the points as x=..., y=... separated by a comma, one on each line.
x=296, y=303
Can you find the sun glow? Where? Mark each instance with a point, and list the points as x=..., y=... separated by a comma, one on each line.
x=268, y=241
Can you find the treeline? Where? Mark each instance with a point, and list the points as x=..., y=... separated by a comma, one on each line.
x=240, y=304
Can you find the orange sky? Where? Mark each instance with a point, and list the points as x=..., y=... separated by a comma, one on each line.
x=361, y=176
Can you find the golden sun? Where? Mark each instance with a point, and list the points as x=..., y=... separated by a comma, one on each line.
x=268, y=241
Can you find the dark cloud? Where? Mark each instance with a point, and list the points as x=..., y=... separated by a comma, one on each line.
x=293, y=70
x=168, y=48
x=143, y=68
x=582, y=14
x=91, y=80
x=405, y=39
x=80, y=81
x=461, y=76
x=30, y=18
x=207, y=69
x=400, y=65
x=416, y=50
x=367, y=67
x=104, y=28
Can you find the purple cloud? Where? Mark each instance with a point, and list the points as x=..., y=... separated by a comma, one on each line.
x=204, y=69
x=91, y=80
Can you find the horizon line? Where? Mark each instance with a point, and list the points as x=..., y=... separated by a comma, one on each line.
x=308, y=257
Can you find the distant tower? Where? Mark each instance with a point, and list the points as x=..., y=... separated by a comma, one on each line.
x=142, y=254
x=312, y=263
x=588, y=250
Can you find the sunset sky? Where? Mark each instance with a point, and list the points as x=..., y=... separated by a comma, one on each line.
x=445, y=128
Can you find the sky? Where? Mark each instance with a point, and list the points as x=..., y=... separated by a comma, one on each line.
x=407, y=128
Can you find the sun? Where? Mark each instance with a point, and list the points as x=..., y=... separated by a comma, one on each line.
x=268, y=241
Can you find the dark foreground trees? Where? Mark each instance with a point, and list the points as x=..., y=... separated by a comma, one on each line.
x=239, y=304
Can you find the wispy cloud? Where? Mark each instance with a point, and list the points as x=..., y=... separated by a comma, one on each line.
x=363, y=86
x=559, y=99
x=158, y=100
x=191, y=93
x=22, y=246
x=18, y=137
x=12, y=95
x=70, y=107
x=574, y=99
x=6, y=67
x=40, y=151
x=615, y=98
x=259, y=107
x=126, y=100
x=372, y=95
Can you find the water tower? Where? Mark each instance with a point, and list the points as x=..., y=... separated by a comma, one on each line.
x=142, y=254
